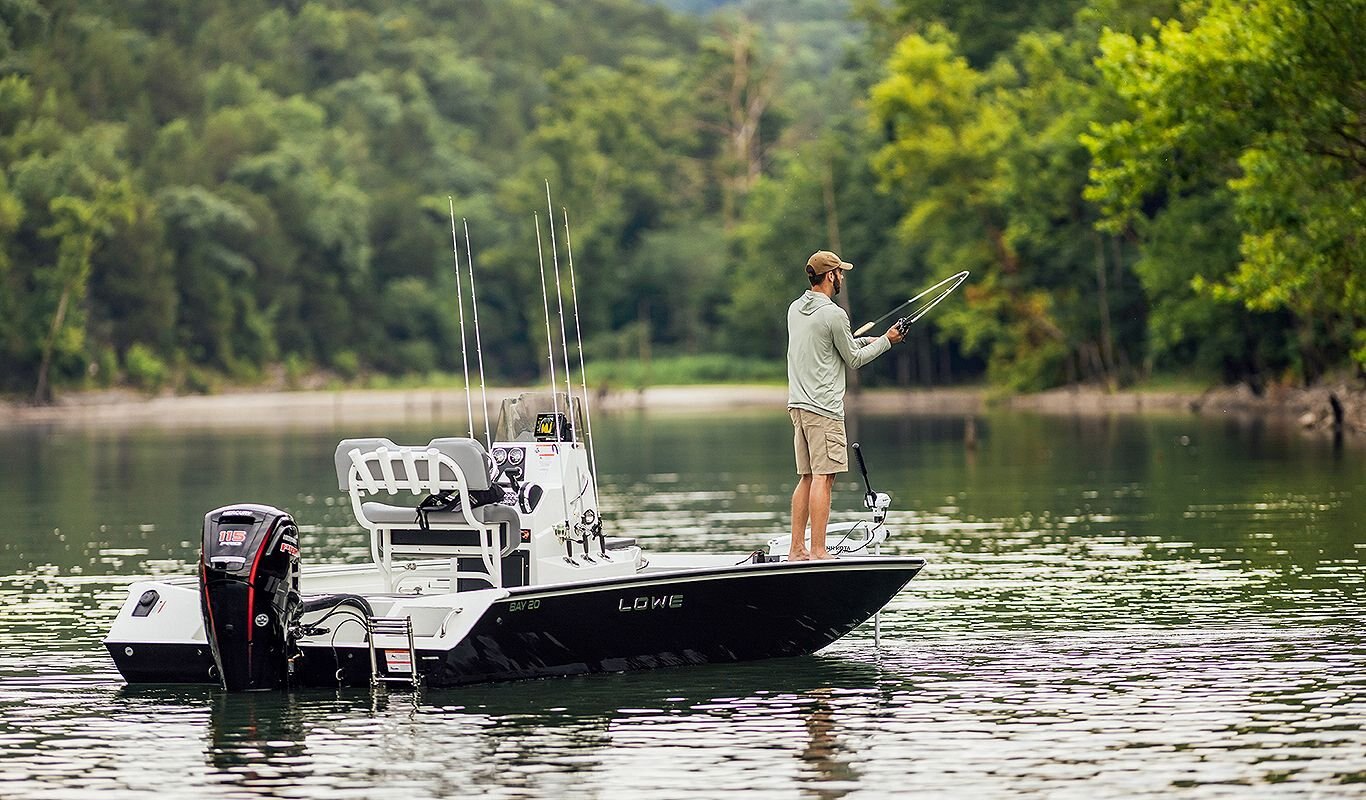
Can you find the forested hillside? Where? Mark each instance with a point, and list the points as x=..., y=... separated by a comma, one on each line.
x=193, y=192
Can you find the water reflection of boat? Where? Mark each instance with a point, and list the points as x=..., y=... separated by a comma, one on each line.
x=502, y=572
x=797, y=717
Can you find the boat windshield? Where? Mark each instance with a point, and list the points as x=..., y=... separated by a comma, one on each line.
x=518, y=416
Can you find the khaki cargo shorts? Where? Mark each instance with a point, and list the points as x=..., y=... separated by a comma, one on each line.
x=820, y=443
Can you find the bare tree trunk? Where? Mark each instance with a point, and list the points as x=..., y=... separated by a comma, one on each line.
x=42, y=393
x=926, y=360
x=1103, y=298
x=747, y=98
x=646, y=334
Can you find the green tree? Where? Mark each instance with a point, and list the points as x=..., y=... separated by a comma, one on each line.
x=984, y=29
x=21, y=22
x=208, y=238
x=132, y=297
x=78, y=226
x=1263, y=100
x=75, y=192
x=619, y=144
x=948, y=129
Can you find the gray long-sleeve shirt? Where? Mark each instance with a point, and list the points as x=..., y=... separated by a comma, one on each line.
x=819, y=345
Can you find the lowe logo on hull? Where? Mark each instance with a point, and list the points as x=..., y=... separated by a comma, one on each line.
x=651, y=603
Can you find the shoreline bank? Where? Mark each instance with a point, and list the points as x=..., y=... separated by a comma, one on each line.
x=1320, y=409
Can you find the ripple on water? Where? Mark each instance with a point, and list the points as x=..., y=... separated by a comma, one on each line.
x=980, y=685
x=1087, y=643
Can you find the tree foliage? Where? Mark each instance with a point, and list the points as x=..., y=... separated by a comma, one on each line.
x=198, y=190
x=1263, y=104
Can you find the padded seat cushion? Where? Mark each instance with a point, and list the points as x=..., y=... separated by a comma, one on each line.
x=385, y=514
x=446, y=527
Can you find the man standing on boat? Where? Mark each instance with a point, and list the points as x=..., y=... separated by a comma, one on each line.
x=819, y=347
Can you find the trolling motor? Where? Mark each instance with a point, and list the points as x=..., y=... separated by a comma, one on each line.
x=249, y=594
x=876, y=502
x=843, y=533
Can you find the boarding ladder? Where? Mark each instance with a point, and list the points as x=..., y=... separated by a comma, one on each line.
x=394, y=631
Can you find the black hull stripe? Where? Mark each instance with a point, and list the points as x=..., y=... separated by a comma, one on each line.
x=719, y=615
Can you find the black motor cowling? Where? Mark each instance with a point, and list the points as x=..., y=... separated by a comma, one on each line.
x=249, y=593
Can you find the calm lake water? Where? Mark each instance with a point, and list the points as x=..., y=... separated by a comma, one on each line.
x=1122, y=607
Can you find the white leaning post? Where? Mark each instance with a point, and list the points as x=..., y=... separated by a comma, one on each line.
x=363, y=482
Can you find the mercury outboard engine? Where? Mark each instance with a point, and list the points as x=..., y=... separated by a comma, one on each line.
x=249, y=593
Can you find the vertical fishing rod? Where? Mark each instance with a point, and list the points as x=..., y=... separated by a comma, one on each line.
x=559, y=295
x=478, y=345
x=579, y=501
x=545, y=304
x=583, y=374
x=460, y=304
x=555, y=403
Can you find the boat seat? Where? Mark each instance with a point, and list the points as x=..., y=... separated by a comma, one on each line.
x=445, y=527
x=468, y=454
x=369, y=468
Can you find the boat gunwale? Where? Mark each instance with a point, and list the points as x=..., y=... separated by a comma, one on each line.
x=643, y=576
x=720, y=572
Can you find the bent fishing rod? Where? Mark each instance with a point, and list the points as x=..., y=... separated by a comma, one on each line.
x=936, y=293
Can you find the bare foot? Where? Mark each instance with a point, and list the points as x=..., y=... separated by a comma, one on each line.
x=820, y=556
x=798, y=557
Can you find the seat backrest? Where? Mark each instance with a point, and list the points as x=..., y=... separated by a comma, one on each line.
x=342, y=458
x=380, y=465
x=470, y=455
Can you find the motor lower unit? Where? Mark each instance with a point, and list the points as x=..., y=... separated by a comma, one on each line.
x=249, y=594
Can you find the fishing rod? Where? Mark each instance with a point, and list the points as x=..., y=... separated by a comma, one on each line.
x=559, y=296
x=938, y=291
x=460, y=304
x=586, y=515
x=478, y=344
x=563, y=528
x=545, y=305
x=596, y=521
x=583, y=373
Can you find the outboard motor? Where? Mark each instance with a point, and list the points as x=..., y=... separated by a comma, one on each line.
x=249, y=594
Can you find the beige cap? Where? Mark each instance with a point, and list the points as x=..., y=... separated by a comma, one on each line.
x=822, y=261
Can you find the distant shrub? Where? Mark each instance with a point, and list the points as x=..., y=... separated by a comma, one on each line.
x=200, y=381
x=414, y=356
x=347, y=364
x=295, y=370
x=104, y=368
x=144, y=369
x=684, y=370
